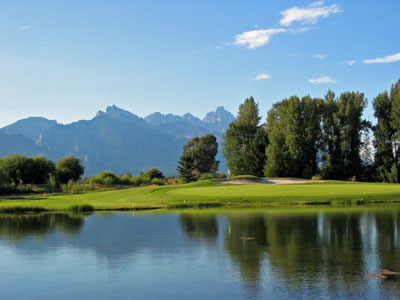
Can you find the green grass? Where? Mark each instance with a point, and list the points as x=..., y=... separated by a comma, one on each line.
x=211, y=194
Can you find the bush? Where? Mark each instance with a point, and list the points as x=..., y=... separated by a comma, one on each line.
x=140, y=180
x=67, y=187
x=125, y=179
x=316, y=177
x=158, y=181
x=220, y=175
x=205, y=176
x=173, y=180
x=105, y=178
x=3, y=178
x=178, y=181
x=153, y=173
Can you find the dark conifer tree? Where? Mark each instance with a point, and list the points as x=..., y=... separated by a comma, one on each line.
x=239, y=145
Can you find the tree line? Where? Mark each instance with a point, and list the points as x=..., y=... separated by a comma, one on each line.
x=305, y=137
x=21, y=170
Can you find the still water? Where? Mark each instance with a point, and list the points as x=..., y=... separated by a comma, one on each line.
x=231, y=254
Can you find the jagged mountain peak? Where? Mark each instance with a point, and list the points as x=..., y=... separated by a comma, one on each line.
x=114, y=112
x=221, y=118
x=220, y=109
x=115, y=139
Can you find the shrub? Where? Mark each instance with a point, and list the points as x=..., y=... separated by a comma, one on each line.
x=105, y=178
x=220, y=175
x=82, y=208
x=316, y=177
x=158, y=181
x=153, y=173
x=140, y=180
x=205, y=176
x=125, y=179
x=67, y=187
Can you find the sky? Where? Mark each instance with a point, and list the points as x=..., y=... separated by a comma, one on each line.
x=65, y=60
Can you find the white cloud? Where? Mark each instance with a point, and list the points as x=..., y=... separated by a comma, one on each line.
x=320, y=56
x=323, y=79
x=386, y=59
x=351, y=62
x=26, y=27
x=256, y=38
x=308, y=15
x=316, y=3
x=262, y=76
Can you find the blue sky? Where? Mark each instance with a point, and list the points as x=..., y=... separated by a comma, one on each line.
x=66, y=60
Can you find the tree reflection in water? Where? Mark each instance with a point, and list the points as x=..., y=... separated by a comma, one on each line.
x=202, y=226
x=18, y=227
x=325, y=250
x=310, y=251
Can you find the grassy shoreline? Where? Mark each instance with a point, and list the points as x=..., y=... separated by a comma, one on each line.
x=206, y=194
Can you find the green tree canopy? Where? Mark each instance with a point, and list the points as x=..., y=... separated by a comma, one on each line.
x=105, y=178
x=386, y=132
x=154, y=173
x=343, y=125
x=198, y=157
x=19, y=169
x=294, y=132
x=395, y=122
x=240, y=146
x=41, y=170
x=69, y=168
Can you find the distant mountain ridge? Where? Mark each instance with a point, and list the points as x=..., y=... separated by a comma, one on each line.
x=31, y=127
x=115, y=140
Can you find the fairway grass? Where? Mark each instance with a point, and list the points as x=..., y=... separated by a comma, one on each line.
x=210, y=194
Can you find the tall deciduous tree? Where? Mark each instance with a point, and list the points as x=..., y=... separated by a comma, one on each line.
x=42, y=169
x=240, y=145
x=395, y=122
x=198, y=157
x=387, y=134
x=385, y=137
x=343, y=126
x=332, y=153
x=19, y=169
x=69, y=168
x=294, y=132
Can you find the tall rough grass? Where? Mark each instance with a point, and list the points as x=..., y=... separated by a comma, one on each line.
x=82, y=208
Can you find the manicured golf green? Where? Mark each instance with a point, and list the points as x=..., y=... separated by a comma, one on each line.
x=209, y=194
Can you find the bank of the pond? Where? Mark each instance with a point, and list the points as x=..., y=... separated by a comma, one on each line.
x=206, y=194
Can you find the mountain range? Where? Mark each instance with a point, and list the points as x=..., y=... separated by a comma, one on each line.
x=115, y=140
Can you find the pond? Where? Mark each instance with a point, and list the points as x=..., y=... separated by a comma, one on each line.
x=206, y=254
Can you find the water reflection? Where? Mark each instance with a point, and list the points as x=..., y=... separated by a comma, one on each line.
x=323, y=253
x=329, y=252
x=18, y=227
x=200, y=226
x=246, y=241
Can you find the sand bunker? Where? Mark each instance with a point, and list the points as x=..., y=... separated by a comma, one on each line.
x=268, y=181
